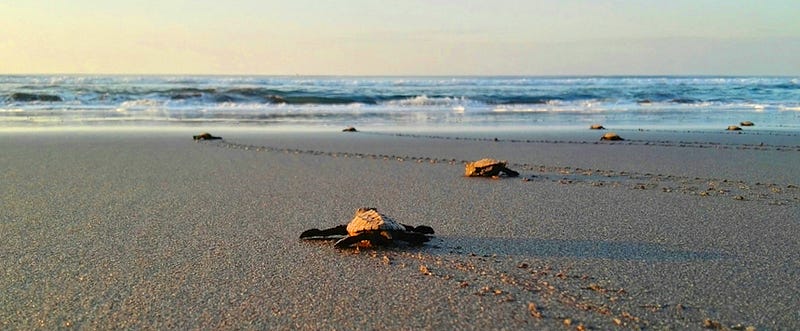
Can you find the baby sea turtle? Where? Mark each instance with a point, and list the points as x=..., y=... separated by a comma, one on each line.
x=611, y=136
x=370, y=228
x=746, y=123
x=205, y=136
x=597, y=127
x=488, y=168
x=733, y=128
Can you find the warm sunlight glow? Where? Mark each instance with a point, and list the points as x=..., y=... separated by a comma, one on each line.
x=360, y=37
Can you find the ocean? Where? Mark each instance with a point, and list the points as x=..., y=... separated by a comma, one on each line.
x=681, y=102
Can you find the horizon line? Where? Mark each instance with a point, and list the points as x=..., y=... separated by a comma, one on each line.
x=397, y=75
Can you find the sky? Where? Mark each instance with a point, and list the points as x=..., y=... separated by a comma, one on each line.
x=401, y=37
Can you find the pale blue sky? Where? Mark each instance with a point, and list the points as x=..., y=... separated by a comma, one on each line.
x=404, y=37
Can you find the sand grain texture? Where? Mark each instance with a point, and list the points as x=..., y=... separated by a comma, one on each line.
x=133, y=230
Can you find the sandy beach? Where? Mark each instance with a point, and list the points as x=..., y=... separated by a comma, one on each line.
x=147, y=229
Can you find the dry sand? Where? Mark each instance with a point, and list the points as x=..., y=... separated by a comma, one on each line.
x=148, y=229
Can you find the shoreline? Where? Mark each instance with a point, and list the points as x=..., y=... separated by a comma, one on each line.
x=149, y=229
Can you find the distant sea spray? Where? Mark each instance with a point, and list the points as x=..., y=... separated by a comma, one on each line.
x=446, y=101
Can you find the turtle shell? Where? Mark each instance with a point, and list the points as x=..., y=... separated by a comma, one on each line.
x=369, y=219
x=733, y=128
x=746, y=123
x=482, y=166
x=205, y=136
x=611, y=136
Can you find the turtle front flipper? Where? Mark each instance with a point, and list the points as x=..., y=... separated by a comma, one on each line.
x=412, y=238
x=419, y=229
x=340, y=230
x=424, y=229
x=509, y=172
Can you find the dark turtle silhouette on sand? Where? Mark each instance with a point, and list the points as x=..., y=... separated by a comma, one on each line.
x=205, y=136
x=370, y=228
x=349, y=129
x=746, y=123
x=488, y=168
x=733, y=128
x=611, y=136
x=597, y=127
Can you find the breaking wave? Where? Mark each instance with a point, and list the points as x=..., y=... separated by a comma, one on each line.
x=448, y=100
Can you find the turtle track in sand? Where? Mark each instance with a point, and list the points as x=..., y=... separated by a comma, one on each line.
x=541, y=292
x=632, y=142
x=553, y=294
x=545, y=293
x=781, y=194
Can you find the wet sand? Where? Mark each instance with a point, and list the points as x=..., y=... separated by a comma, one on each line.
x=149, y=229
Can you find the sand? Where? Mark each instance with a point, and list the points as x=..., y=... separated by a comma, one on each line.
x=148, y=229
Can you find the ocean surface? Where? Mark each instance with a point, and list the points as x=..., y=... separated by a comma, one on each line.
x=386, y=102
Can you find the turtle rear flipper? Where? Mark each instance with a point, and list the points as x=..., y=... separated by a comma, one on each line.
x=340, y=230
x=373, y=237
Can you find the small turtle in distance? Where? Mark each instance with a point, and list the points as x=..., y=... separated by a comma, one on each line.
x=349, y=129
x=733, y=128
x=746, y=123
x=596, y=127
x=369, y=228
x=205, y=136
x=611, y=136
x=488, y=168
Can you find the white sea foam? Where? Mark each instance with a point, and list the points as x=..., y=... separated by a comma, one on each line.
x=140, y=104
x=424, y=100
x=388, y=101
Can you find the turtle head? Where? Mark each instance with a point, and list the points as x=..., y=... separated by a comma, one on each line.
x=365, y=209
